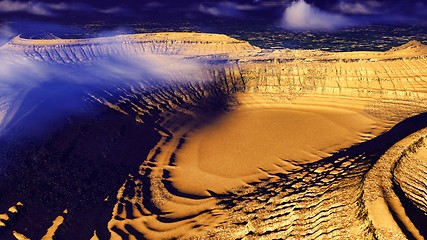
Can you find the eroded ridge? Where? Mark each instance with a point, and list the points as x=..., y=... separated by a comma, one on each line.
x=172, y=188
x=394, y=190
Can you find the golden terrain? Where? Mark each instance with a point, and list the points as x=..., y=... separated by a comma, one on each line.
x=295, y=152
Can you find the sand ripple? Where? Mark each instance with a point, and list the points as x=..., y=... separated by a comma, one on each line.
x=275, y=144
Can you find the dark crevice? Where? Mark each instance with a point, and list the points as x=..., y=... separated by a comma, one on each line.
x=417, y=216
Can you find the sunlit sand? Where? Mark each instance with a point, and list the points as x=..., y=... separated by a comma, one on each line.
x=263, y=136
x=270, y=144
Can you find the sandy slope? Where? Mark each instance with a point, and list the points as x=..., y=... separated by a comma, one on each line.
x=286, y=159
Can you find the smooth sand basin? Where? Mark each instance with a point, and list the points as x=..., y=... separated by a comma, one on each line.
x=297, y=107
x=262, y=137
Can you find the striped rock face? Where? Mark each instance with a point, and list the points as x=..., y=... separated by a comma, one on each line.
x=196, y=136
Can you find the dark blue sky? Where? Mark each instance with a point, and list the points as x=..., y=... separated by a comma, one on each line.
x=297, y=15
x=395, y=10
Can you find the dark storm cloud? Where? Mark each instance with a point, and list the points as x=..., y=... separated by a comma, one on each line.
x=50, y=9
x=36, y=8
x=224, y=8
x=385, y=12
x=324, y=15
x=398, y=8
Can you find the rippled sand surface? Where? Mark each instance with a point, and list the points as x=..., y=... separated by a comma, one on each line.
x=283, y=144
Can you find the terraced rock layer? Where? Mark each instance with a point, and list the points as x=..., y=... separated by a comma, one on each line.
x=81, y=50
x=120, y=167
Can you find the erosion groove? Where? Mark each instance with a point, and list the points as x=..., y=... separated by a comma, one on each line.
x=151, y=158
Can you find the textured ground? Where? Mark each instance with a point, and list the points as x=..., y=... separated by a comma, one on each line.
x=244, y=143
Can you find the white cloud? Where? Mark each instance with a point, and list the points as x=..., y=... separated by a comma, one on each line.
x=226, y=9
x=19, y=75
x=113, y=10
x=153, y=4
x=354, y=8
x=6, y=33
x=35, y=8
x=301, y=16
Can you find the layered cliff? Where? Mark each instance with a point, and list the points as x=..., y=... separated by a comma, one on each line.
x=127, y=164
x=398, y=72
x=81, y=50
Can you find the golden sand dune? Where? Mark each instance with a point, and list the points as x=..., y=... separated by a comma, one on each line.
x=276, y=145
